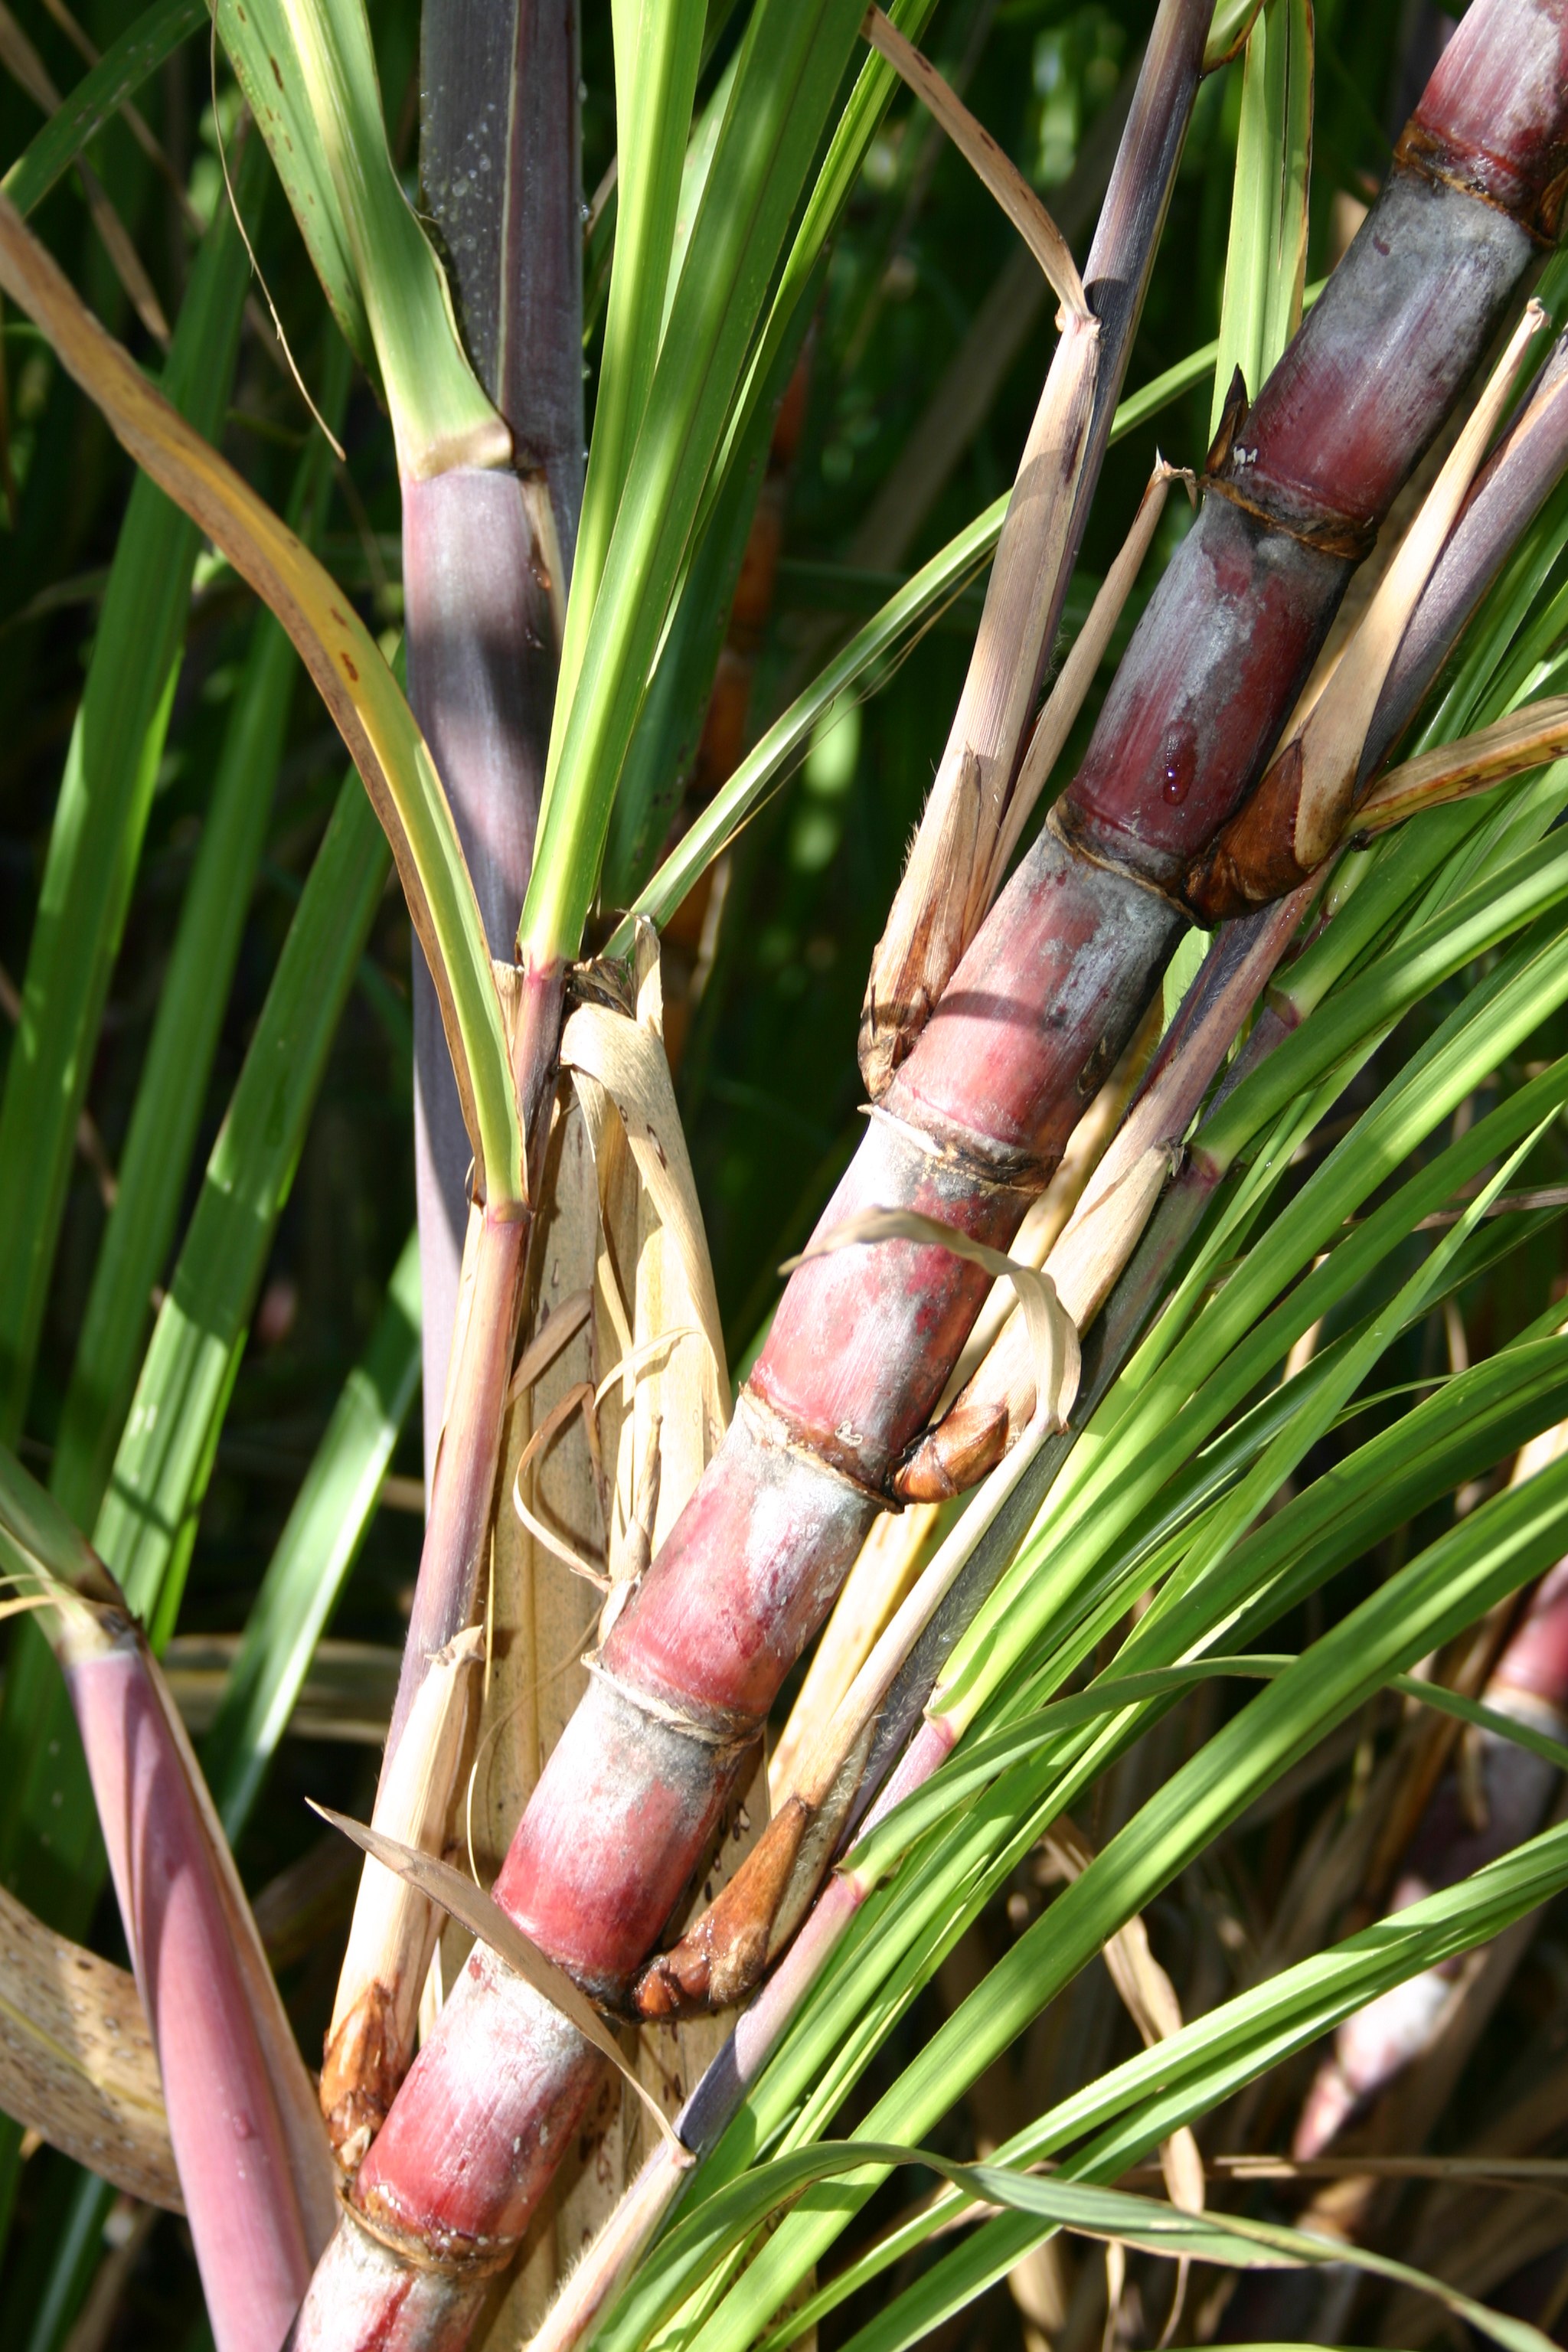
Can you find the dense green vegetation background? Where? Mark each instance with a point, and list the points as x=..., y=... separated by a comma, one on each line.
x=768, y=1085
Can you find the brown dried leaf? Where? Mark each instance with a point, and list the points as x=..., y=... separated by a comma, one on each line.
x=1477, y=763
x=995, y=168
x=1150, y=2000
x=945, y=890
x=371, y=2039
x=77, y=2062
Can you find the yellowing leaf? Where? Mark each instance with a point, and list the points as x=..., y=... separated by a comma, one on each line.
x=77, y=2064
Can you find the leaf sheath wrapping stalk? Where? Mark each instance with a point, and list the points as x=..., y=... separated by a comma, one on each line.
x=481, y=649
x=1034, y=1014
x=1525, y=466
x=486, y=563
x=254, y=2165
x=372, y=2035
x=943, y=895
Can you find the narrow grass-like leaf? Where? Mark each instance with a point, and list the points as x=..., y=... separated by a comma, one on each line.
x=1482, y=1559
x=119, y=74
x=315, y=1551
x=259, y=45
x=656, y=54
x=1188, y=2074
x=875, y=86
x=1503, y=903
x=148, y=1519
x=1266, y=260
x=1228, y=1350
x=147, y=1524
x=309, y=73
x=95, y=844
x=669, y=730
x=155, y=1159
x=790, y=66
x=1193, y=2073
x=349, y=672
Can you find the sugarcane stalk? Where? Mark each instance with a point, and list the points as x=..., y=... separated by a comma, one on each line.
x=948, y=883
x=1225, y=989
x=1290, y=822
x=995, y=1406
x=968, y=1129
x=256, y=2174
x=486, y=550
x=886, y=1568
x=1522, y=471
x=484, y=568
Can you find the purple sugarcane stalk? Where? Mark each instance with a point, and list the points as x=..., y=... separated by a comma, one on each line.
x=1528, y=1683
x=255, y=2172
x=967, y=1131
x=485, y=558
x=487, y=553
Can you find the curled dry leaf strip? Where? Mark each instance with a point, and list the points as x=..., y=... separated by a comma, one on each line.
x=625, y=1058
x=995, y=168
x=1150, y=2000
x=541, y=1351
x=1053, y=1335
x=439, y=1883
x=581, y=1398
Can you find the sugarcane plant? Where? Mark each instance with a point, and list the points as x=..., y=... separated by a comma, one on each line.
x=633, y=2022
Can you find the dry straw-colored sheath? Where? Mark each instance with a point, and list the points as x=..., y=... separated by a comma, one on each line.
x=968, y=1130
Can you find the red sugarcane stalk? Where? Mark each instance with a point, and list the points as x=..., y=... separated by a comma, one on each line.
x=991, y=1413
x=946, y=887
x=252, y=2239
x=1526, y=467
x=1484, y=146
x=971, y=1123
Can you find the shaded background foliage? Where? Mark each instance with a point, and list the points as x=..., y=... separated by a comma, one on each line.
x=924, y=304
